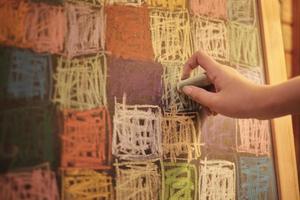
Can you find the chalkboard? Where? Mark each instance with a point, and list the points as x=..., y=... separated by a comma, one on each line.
x=89, y=107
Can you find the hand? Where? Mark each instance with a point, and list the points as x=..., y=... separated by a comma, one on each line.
x=234, y=95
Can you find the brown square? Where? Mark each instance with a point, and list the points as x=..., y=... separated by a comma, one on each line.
x=139, y=80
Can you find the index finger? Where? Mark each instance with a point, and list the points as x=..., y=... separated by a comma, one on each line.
x=198, y=59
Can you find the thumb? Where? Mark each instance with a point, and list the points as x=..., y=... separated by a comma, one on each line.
x=200, y=95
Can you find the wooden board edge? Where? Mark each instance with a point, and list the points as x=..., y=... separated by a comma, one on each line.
x=282, y=131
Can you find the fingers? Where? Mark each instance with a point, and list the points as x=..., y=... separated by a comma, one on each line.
x=198, y=58
x=200, y=95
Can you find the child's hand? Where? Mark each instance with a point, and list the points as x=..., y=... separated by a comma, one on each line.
x=234, y=95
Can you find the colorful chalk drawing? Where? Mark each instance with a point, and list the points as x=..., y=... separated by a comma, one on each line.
x=28, y=75
x=256, y=178
x=135, y=40
x=12, y=24
x=86, y=30
x=171, y=35
x=80, y=83
x=89, y=2
x=168, y=4
x=139, y=180
x=126, y=2
x=243, y=11
x=180, y=137
x=38, y=182
x=180, y=181
x=213, y=8
x=136, y=131
x=45, y=28
x=253, y=136
x=217, y=179
x=85, y=139
x=210, y=35
x=86, y=184
x=171, y=98
x=218, y=133
x=244, y=45
x=65, y=67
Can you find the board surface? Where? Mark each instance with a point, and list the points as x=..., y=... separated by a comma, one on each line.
x=89, y=105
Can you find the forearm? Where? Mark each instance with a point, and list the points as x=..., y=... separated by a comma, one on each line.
x=281, y=99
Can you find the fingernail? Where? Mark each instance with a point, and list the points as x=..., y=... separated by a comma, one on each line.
x=187, y=90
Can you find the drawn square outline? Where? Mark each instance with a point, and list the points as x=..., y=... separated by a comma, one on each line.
x=45, y=28
x=80, y=83
x=243, y=11
x=180, y=137
x=86, y=139
x=180, y=180
x=136, y=131
x=217, y=179
x=86, y=184
x=253, y=136
x=172, y=100
x=258, y=178
x=244, y=45
x=211, y=36
x=37, y=182
x=138, y=180
x=171, y=35
x=86, y=30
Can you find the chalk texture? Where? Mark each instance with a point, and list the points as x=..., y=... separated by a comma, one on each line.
x=80, y=83
x=212, y=8
x=86, y=139
x=38, y=182
x=138, y=180
x=128, y=34
x=28, y=75
x=180, y=137
x=136, y=131
x=86, y=30
x=211, y=36
x=171, y=35
x=80, y=184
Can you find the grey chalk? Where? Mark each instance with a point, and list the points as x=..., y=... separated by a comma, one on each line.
x=198, y=81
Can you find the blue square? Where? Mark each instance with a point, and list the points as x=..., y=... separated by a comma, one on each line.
x=29, y=75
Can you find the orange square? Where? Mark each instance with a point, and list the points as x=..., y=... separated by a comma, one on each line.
x=128, y=32
x=86, y=139
x=12, y=21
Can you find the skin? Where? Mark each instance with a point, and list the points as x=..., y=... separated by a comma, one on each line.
x=235, y=96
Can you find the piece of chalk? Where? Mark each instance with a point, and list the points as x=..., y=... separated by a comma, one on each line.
x=198, y=81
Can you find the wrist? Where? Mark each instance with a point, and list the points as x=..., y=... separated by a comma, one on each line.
x=268, y=102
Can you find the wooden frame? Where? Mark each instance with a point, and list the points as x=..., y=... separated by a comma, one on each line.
x=282, y=131
x=296, y=72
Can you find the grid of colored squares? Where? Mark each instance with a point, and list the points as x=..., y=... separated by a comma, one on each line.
x=88, y=86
